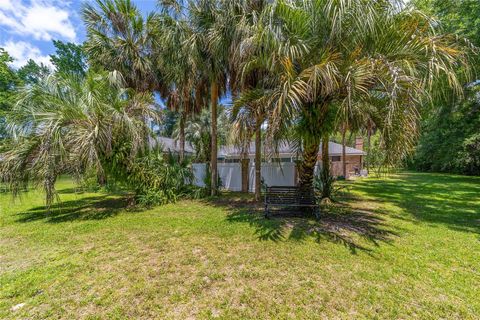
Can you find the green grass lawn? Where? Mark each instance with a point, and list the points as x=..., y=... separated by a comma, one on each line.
x=407, y=246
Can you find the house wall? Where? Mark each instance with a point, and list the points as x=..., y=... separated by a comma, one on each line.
x=352, y=162
x=273, y=174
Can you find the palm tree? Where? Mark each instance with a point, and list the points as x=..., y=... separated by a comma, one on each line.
x=185, y=84
x=213, y=33
x=213, y=28
x=120, y=38
x=248, y=79
x=246, y=122
x=197, y=132
x=323, y=56
x=241, y=136
x=67, y=124
x=248, y=116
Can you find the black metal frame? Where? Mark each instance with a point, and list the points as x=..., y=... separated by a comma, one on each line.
x=287, y=196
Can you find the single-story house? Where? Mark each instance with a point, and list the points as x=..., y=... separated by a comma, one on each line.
x=170, y=145
x=286, y=153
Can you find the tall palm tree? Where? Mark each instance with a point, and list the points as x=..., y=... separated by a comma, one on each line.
x=248, y=116
x=67, y=124
x=247, y=78
x=322, y=55
x=241, y=134
x=213, y=26
x=181, y=74
x=217, y=30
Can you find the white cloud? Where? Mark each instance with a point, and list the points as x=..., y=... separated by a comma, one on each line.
x=6, y=4
x=23, y=51
x=42, y=19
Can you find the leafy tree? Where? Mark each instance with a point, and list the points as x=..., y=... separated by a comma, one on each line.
x=470, y=155
x=455, y=16
x=449, y=133
x=32, y=72
x=9, y=82
x=69, y=57
x=448, y=142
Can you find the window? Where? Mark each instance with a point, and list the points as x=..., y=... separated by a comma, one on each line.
x=335, y=158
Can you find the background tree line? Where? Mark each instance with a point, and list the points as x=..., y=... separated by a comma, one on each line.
x=450, y=140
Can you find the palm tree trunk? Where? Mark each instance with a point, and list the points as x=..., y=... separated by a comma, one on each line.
x=245, y=164
x=369, y=136
x=182, y=137
x=326, y=190
x=101, y=179
x=325, y=155
x=344, y=153
x=213, y=160
x=258, y=159
x=306, y=169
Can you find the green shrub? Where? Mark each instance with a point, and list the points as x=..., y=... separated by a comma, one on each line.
x=156, y=197
x=88, y=181
x=325, y=186
x=159, y=178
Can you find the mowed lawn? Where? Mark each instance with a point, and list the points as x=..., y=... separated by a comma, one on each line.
x=403, y=246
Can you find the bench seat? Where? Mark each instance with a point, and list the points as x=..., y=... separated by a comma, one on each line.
x=287, y=196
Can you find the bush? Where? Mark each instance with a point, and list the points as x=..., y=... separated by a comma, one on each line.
x=88, y=181
x=159, y=178
x=155, y=197
x=470, y=155
x=325, y=187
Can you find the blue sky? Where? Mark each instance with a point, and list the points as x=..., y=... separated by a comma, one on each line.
x=27, y=27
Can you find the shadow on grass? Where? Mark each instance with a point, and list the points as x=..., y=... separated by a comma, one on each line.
x=88, y=208
x=436, y=199
x=357, y=230
x=73, y=191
